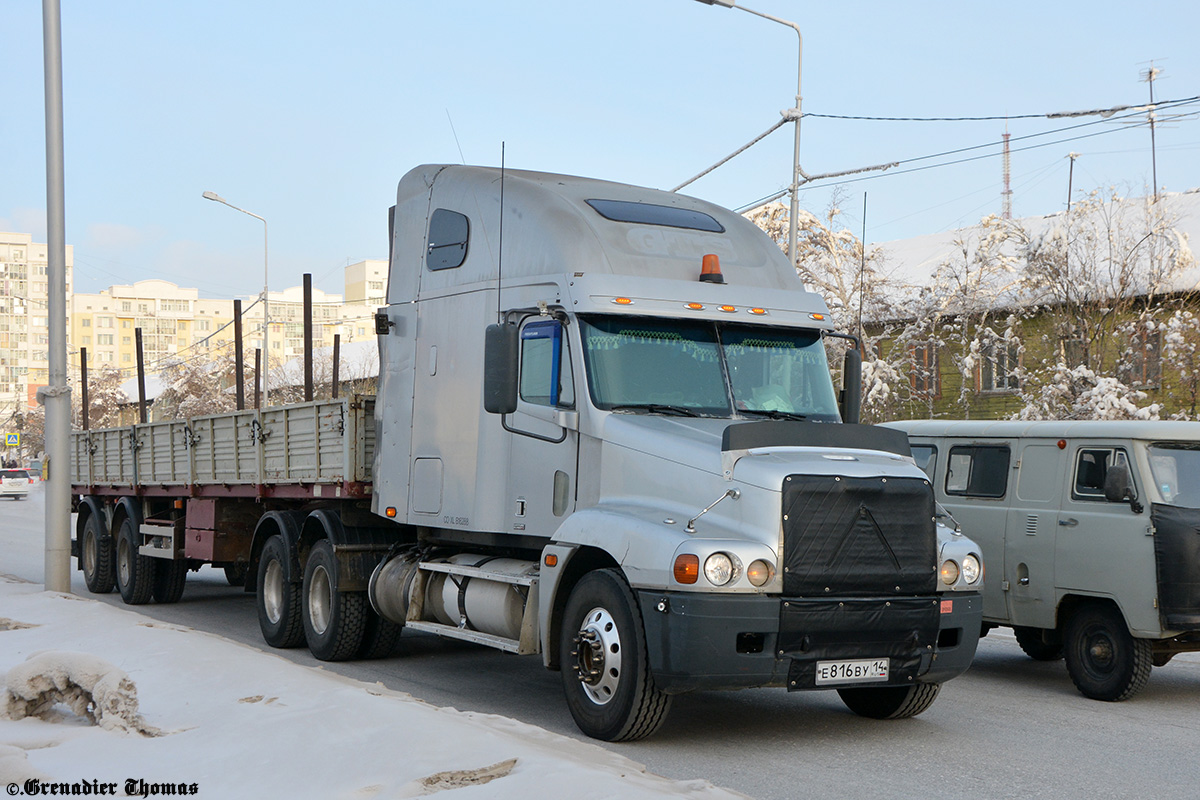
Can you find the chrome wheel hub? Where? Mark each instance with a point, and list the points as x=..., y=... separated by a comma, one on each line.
x=597, y=656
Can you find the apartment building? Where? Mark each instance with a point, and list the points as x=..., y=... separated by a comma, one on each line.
x=24, y=331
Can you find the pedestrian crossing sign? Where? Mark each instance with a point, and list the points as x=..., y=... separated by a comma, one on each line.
x=12, y=440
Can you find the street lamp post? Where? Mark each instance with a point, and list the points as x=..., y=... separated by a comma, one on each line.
x=266, y=318
x=794, y=113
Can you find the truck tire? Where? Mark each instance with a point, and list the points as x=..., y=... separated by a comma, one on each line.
x=1040, y=644
x=135, y=573
x=380, y=637
x=1104, y=660
x=890, y=702
x=96, y=557
x=605, y=672
x=277, y=598
x=169, y=580
x=334, y=622
x=235, y=575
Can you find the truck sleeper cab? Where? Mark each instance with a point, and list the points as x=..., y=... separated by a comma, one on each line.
x=1088, y=529
x=581, y=448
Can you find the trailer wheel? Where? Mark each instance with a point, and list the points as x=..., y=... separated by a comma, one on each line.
x=1104, y=660
x=96, y=557
x=606, y=674
x=169, y=580
x=334, y=622
x=277, y=598
x=890, y=702
x=135, y=573
x=1040, y=644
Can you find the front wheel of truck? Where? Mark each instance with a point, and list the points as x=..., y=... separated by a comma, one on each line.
x=890, y=702
x=606, y=674
x=1104, y=660
x=334, y=621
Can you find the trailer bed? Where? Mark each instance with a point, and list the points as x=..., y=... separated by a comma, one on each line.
x=324, y=448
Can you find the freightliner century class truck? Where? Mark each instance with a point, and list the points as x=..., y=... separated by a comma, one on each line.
x=605, y=432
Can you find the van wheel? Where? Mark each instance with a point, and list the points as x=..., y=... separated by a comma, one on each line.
x=135, y=573
x=334, y=622
x=277, y=598
x=605, y=671
x=890, y=702
x=380, y=638
x=1103, y=659
x=96, y=557
x=1040, y=644
x=235, y=575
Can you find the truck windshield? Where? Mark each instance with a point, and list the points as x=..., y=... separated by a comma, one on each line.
x=700, y=368
x=1176, y=470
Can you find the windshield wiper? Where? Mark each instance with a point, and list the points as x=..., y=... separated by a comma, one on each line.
x=657, y=408
x=771, y=413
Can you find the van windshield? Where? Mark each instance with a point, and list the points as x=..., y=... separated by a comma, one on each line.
x=701, y=368
x=1175, y=467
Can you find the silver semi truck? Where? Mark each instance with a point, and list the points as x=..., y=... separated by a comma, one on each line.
x=605, y=432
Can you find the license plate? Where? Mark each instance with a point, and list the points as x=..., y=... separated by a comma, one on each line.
x=872, y=670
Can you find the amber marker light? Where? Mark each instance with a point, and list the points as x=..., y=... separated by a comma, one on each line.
x=622, y=301
x=727, y=309
x=391, y=512
x=817, y=317
x=695, y=306
x=551, y=560
x=687, y=568
x=758, y=311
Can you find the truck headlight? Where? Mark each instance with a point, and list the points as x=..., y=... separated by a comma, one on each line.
x=759, y=572
x=721, y=568
x=972, y=570
x=949, y=572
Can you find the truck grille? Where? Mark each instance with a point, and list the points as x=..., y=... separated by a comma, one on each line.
x=858, y=536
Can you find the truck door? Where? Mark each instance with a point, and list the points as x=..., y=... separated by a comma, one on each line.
x=1031, y=530
x=976, y=488
x=544, y=428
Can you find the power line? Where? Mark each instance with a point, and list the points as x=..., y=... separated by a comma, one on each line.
x=1104, y=112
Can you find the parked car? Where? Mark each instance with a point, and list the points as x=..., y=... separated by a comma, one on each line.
x=34, y=475
x=14, y=483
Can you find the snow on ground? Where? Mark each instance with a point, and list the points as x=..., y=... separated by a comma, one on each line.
x=235, y=722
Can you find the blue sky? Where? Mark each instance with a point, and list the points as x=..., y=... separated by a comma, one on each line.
x=308, y=114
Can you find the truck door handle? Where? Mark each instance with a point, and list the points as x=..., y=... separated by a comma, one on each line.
x=1068, y=522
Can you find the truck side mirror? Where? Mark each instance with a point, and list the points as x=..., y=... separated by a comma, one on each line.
x=1117, y=487
x=500, y=348
x=852, y=386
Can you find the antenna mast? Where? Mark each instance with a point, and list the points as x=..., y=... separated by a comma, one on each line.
x=1006, y=195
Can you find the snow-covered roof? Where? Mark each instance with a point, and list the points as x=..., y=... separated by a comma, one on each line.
x=910, y=263
x=154, y=387
x=357, y=361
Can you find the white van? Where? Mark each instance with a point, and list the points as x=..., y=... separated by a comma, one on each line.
x=1090, y=533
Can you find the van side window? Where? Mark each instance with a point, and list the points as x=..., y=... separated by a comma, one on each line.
x=978, y=470
x=1091, y=466
x=926, y=457
x=447, y=243
x=546, y=375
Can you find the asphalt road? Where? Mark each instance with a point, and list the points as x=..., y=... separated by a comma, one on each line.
x=1010, y=727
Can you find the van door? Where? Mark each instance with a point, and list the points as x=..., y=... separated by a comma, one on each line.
x=1106, y=548
x=544, y=429
x=976, y=492
x=1029, y=541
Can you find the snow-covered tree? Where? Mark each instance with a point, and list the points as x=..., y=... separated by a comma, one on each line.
x=104, y=399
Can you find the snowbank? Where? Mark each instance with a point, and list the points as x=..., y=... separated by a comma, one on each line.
x=237, y=722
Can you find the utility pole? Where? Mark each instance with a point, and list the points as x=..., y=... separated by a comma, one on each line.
x=1149, y=76
x=1070, y=178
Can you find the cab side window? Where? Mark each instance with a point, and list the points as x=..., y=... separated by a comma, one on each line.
x=926, y=457
x=546, y=375
x=449, y=232
x=1091, y=467
x=978, y=470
